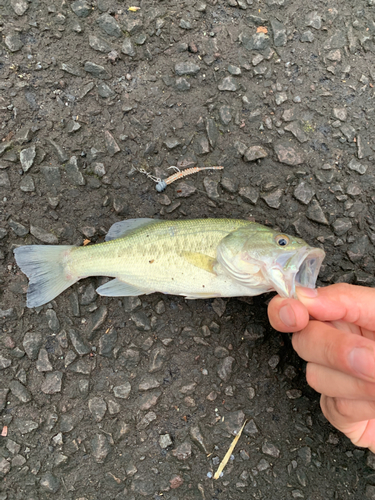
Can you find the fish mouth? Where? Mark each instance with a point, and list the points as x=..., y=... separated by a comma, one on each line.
x=296, y=269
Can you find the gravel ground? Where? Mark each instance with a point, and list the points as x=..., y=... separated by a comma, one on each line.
x=107, y=398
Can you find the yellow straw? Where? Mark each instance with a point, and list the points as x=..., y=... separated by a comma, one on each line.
x=229, y=453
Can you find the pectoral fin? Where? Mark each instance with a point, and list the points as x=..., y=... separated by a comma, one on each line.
x=118, y=288
x=200, y=260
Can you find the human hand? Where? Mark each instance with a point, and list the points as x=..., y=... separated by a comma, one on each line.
x=339, y=345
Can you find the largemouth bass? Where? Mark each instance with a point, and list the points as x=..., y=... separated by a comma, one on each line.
x=198, y=259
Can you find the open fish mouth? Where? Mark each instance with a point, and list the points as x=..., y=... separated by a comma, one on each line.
x=309, y=268
x=296, y=269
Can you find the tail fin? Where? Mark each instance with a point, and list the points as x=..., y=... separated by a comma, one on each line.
x=45, y=266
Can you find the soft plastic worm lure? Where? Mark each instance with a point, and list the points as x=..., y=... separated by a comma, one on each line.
x=161, y=184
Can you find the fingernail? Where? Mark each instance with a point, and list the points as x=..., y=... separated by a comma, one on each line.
x=362, y=360
x=309, y=293
x=287, y=316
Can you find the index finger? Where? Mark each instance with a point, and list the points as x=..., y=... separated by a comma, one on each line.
x=352, y=303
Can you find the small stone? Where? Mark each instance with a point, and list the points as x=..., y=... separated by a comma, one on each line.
x=357, y=167
x=364, y=149
x=81, y=8
x=53, y=322
x=19, y=6
x=96, y=70
x=184, y=24
x=212, y=132
x=73, y=173
x=172, y=143
x=315, y=213
x=20, y=391
x=81, y=346
x=32, y=342
x=294, y=394
x=43, y=235
x=225, y=114
x=279, y=33
x=307, y=36
x=52, y=383
x=202, y=145
x=314, y=20
x=165, y=441
x=182, y=84
x=18, y=228
x=270, y=449
x=358, y=250
x=250, y=428
x=4, y=180
x=49, y=483
x=132, y=24
x=258, y=41
x=131, y=303
x=128, y=48
x=107, y=343
x=297, y=131
x=98, y=408
x=304, y=192
x=148, y=383
x=111, y=144
x=13, y=42
x=348, y=131
x=281, y=97
x=43, y=364
x=140, y=39
x=122, y=391
x=288, y=155
x=274, y=198
x=197, y=437
x=157, y=357
x=141, y=320
x=254, y=153
x=211, y=187
x=176, y=482
x=25, y=426
x=100, y=447
x=234, y=70
x=224, y=370
x=105, y=90
x=4, y=362
x=27, y=157
x=250, y=194
x=148, y=400
x=99, y=44
x=146, y=420
x=109, y=24
x=184, y=190
x=186, y=68
x=228, y=84
x=183, y=451
x=341, y=226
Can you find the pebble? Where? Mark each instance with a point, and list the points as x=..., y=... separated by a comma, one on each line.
x=288, y=154
x=270, y=449
x=111, y=144
x=4, y=362
x=99, y=44
x=356, y=166
x=13, y=42
x=49, y=483
x=228, y=84
x=4, y=180
x=122, y=391
x=157, y=357
x=307, y=36
x=52, y=383
x=165, y=441
x=255, y=153
x=274, y=198
x=128, y=48
x=43, y=363
x=32, y=342
x=304, y=192
x=27, y=157
x=224, y=369
x=98, y=408
x=186, y=68
x=100, y=447
x=81, y=8
x=20, y=391
x=107, y=343
x=109, y=25
x=148, y=400
x=315, y=213
x=183, y=451
x=96, y=70
x=225, y=113
x=43, y=235
x=211, y=186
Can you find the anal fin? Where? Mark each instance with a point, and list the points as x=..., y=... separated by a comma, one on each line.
x=118, y=288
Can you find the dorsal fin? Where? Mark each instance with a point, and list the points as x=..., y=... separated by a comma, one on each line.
x=119, y=229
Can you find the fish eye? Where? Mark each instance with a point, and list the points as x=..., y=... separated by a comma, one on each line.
x=282, y=240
